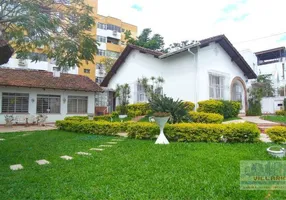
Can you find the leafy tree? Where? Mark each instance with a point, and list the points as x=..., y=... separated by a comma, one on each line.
x=156, y=42
x=107, y=63
x=64, y=30
x=122, y=92
x=153, y=87
x=266, y=85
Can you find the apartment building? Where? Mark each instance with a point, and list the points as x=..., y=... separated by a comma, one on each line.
x=109, y=32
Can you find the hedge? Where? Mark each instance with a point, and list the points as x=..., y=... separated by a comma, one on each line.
x=280, y=112
x=93, y=127
x=190, y=105
x=77, y=118
x=192, y=132
x=103, y=118
x=277, y=134
x=209, y=118
x=228, y=109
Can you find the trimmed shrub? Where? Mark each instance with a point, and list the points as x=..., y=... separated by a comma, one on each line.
x=103, y=118
x=254, y=109
x=190, y=105
x=280, y=112
x=277, y=134
x=93, y=127
x=209, y=118
x=136, y=109
x=77, y=118
x=192, y=132
x=228, y=109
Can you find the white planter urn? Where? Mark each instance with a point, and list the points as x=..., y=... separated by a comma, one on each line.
x=161, y=121
x=122, y=117
x=276, y=153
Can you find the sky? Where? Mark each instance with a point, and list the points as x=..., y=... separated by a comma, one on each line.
x=178, y=20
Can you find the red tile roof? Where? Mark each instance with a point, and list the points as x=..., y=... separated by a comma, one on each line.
x=46, y=80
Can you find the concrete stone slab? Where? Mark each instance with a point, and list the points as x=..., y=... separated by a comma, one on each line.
x=16, y=167
x=96, y=149
x=265, y=138
x=2, y=139
x=67, y=157
x=111, y=142
x=42, y=162
x=117, y=140
x=103, y=145
x=83, y=153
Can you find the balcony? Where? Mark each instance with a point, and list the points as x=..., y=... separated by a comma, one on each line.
x=113, y=47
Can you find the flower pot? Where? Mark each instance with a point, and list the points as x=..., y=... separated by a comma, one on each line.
x=161, y=121
x=276, y=153
x=122, y=117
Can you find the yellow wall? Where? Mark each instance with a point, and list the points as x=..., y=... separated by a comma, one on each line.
x=109, y=46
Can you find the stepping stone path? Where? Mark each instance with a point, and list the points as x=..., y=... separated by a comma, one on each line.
x=66, y=157
x=42, y=162
x=105, y=145
x=2, y=139
x=111, y=142
x=96, y=149
x=117, y=140
x=83, y=153
x=16, y=167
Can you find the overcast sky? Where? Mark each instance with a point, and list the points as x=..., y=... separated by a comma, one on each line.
x=177, y=20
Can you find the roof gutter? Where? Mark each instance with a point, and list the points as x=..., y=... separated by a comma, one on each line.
x=186, y=48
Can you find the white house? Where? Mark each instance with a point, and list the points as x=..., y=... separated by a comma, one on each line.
x=209, y=69
x=57, y=95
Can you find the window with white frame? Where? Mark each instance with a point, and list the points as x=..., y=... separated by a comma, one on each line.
x=77, y=104
x=101, y=52
x=49, y=104
x=101, y=99
x=15, y=103
x=112, y=54
x=101, y=26
x=216, y=86
x=141, y=95
x=101, y=39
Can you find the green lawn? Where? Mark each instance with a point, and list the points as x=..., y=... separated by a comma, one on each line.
x=275, y=118
x=132, y=169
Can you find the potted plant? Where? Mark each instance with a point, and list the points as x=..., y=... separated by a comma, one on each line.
x=276, y=151
x=161, y=119
x=123, y=94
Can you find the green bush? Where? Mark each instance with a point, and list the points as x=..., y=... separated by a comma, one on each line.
x=189, y=105
x=209, y=118
x=136, y=109
x=284, y=104
x=280, y=112
x=277, y=134
x=77, y=118
x=103, y=117
x=254, y=109
x=194, y=132
x=228, y=109
x=93, y=127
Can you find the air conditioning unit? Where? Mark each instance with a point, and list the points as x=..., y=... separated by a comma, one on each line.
x=22, y=63
x=114, y=33
x=56, y=73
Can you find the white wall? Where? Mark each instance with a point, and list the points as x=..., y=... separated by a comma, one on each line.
x=213, y=59
x=33, y=105
x=250, y=58
x=13, y=63
x=271, y=104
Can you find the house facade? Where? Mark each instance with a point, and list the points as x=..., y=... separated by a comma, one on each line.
x=209, y=69
x=35, y=92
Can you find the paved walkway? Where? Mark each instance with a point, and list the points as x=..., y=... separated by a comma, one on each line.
x=257, y=120
x=24, y=129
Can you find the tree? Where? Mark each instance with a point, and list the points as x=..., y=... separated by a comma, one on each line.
x=64, y=30
x=153, y=87
x=156, y=42
x=122, y=92
x=266, y=85
x=176, y=45
x=107, y=63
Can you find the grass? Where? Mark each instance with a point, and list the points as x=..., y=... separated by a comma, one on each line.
x=144, y=119
x=275, y=118
x=132, y=169
x=231, y=119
